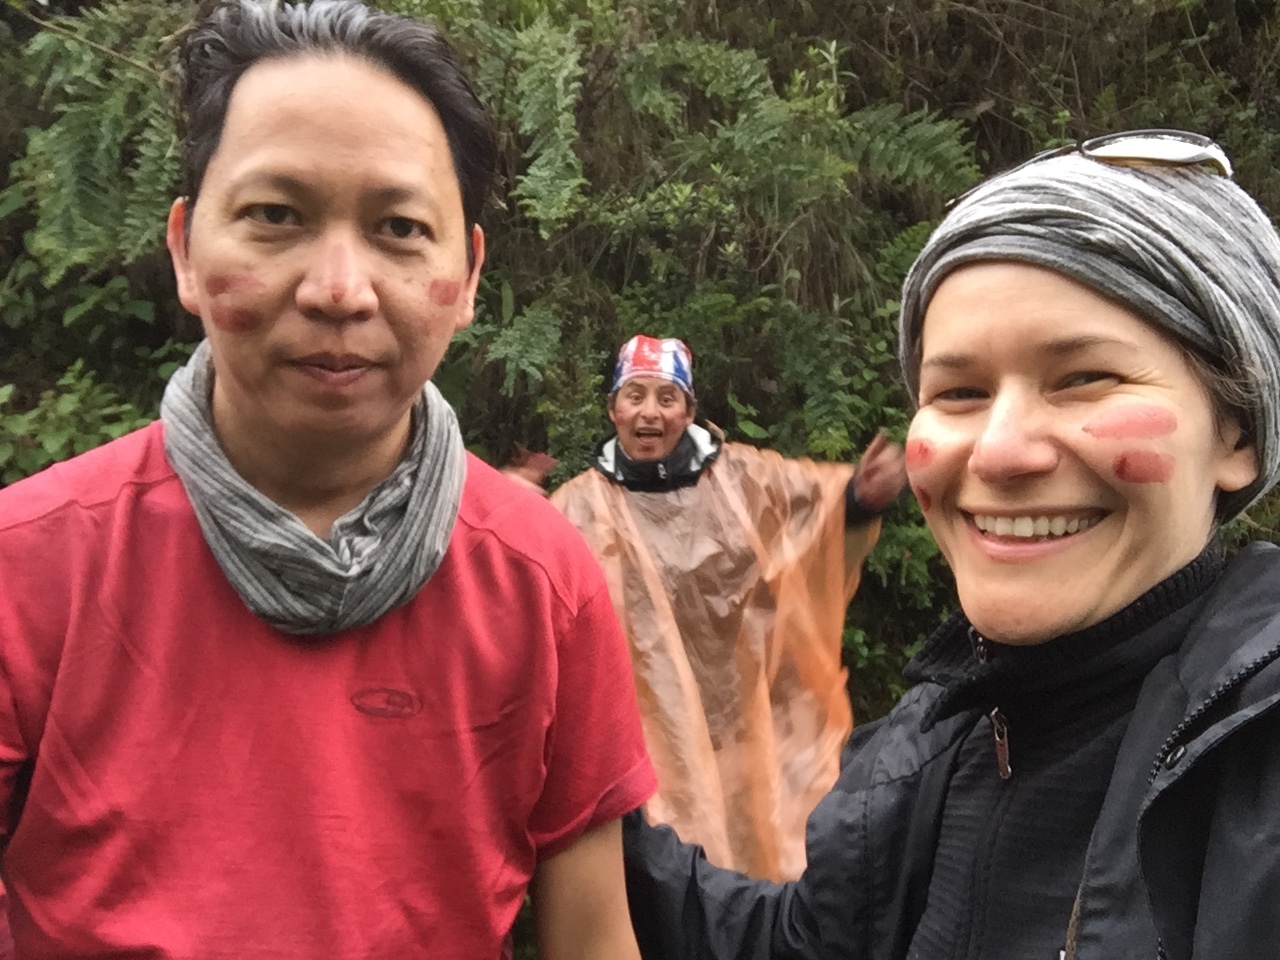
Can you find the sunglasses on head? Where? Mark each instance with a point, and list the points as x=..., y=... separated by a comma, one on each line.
x=1167, y=148
x=1137, y=148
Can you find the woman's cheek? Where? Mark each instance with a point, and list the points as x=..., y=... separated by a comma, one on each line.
x=1129, y=422
x=1143, y=466
x=921, y=454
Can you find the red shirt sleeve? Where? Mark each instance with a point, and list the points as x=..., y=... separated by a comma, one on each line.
x=597, y=765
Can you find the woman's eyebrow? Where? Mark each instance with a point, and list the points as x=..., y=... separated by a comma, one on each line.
x=1065, y=346
x=1058, y=347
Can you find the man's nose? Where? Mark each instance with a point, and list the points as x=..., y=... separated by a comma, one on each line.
x=1014, y=439
x=338, y=284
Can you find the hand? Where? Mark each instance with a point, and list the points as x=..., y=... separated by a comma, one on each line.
x=882, y=473
x=529, y=469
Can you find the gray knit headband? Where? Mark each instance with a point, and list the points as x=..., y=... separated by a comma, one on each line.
x=1187, y=250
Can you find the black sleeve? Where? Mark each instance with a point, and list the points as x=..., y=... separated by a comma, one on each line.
x=855, y=513
x=870, y=850
x=683, y=907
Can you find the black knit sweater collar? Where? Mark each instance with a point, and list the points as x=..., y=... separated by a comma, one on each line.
x=1070, y=669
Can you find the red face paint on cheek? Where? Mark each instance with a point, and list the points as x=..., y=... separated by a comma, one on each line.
x=233, y=320
x=222, y=283
x=919, y=453
x=922, y=495
x=228, y=316
x=1135, y=421
x=1143, y=466
x=444, y=293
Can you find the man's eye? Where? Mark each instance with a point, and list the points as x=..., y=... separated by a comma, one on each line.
x=403, y=228
x=957, y=395
x=273, y=214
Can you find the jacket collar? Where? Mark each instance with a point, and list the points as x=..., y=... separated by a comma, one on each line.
x=1235, y=635
x=1116, y=652
x=696, y=449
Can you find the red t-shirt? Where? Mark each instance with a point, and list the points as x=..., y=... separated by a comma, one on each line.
x=186, y=781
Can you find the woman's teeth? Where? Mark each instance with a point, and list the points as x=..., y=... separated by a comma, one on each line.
x=1033, y=526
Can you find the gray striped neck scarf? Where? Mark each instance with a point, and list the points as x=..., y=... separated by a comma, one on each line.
x=378, y=555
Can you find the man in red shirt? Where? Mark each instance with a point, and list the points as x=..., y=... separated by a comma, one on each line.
x=289, y=674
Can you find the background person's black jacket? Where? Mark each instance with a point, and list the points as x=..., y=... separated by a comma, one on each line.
x=1195, y=790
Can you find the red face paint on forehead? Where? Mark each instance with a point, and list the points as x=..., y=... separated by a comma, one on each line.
x=919, y=453
x=222, y=283
x=444, y=293
x=1143, y=466
x=1134, y=421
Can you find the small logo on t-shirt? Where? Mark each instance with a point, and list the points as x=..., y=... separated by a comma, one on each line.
x=386, y=702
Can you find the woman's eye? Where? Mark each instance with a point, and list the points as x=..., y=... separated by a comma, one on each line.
x=273, y=214
x=1084, y=378
x=403, y=228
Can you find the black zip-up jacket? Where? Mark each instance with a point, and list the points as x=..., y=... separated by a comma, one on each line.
x=1183, y=863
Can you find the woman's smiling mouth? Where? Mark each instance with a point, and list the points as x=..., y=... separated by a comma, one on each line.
x=1033, y=526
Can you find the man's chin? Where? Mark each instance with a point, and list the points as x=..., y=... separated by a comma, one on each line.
x=645, y=452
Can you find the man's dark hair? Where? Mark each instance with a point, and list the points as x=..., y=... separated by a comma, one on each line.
x=239, y=33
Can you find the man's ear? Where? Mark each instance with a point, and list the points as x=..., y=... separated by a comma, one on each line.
x=468, y=310
x=176, y=240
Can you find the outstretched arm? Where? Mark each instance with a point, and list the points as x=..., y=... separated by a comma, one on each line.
x=683, y=907
x=859, y=896
x=580, y=901
x=880, y=477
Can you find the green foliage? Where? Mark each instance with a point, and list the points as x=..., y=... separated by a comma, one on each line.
x=78, y=414
x=754, y=182
x=100, y=173
x=548, y=60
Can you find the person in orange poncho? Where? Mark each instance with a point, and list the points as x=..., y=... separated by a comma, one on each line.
x=730, y=568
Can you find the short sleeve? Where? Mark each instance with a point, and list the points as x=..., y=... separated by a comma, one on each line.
x=597, y=765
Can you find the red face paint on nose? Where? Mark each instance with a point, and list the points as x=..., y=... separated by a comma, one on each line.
x=922, y=495
x=1135, y=421
x=919, y=453
x=1143, y=466
x=444, y=293
x=339, y=277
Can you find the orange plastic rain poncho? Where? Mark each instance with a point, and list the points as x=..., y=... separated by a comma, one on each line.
x=733, y=592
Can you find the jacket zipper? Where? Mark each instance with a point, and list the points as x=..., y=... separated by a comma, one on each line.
x=1171, y=743
x=1000, y=741
x=999, y=724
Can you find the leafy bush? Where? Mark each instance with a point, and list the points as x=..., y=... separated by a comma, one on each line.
x=754, y=178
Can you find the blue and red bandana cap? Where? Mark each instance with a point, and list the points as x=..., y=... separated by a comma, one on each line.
x=643, y=356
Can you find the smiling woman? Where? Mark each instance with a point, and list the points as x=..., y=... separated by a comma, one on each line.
x=1089, y=764
x=1077, y=456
